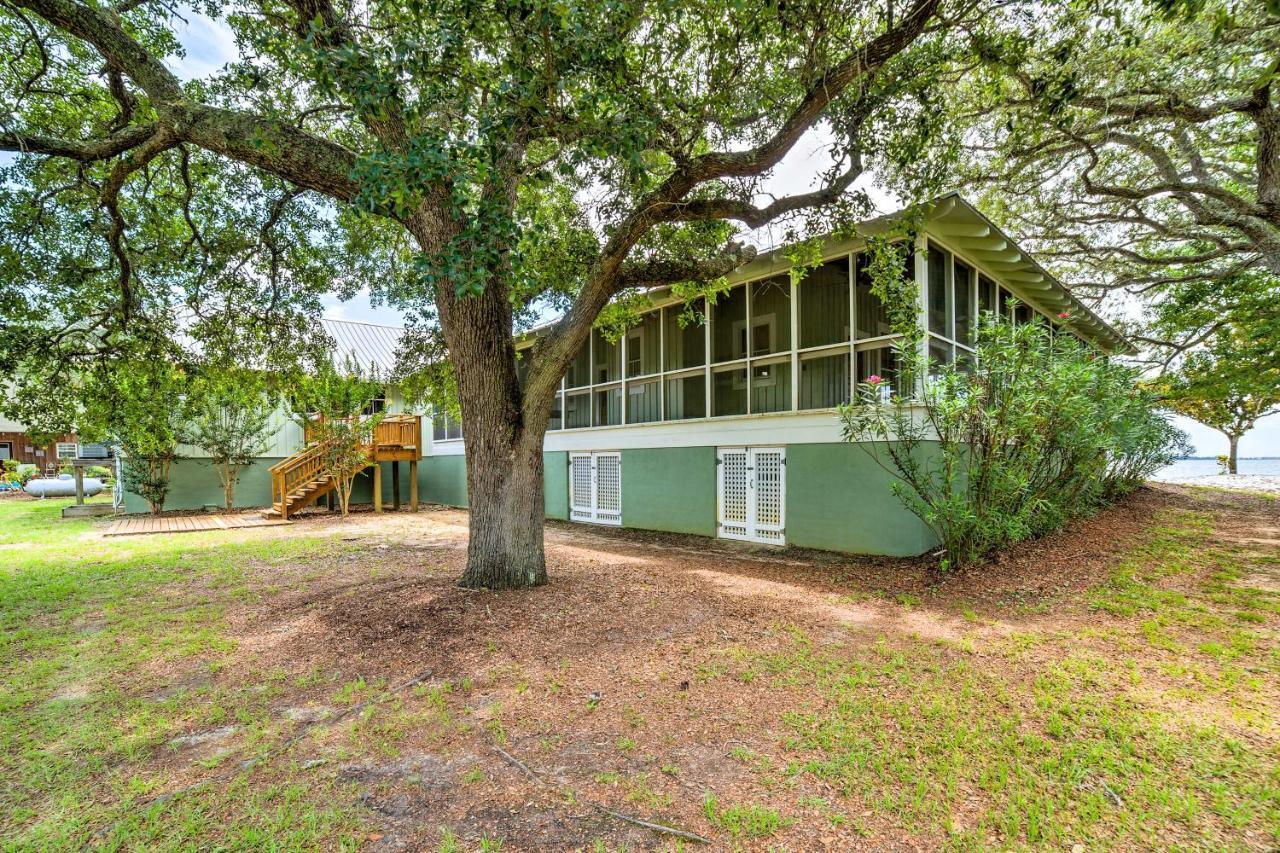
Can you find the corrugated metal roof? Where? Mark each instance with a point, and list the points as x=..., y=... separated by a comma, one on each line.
x=364, y=343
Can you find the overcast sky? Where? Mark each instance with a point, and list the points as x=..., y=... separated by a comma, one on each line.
x=210, y=44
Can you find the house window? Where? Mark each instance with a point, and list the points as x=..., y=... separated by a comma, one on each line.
x=377, y=405
x=67, y=449
x=950, y=307
x=642, y=346
x=728, y=326
x=445, y=428
x=606, y=359
x=686, y=343
x=939, y=297
x=824, y=379
x=6, y=450
x=962, y=287
x=608, y=406
x=686, y=396
x=872, y=318
x=986, y=295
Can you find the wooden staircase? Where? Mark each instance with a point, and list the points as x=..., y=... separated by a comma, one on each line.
x=299, y=480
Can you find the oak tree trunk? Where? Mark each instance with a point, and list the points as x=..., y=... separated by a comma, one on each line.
x=503, y=451
x=1233, y=454
x=504, y=484
x=504, y=454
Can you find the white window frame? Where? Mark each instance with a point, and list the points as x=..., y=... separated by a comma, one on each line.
x=61, y=445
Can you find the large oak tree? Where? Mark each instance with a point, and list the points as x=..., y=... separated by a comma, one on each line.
x=473, y=162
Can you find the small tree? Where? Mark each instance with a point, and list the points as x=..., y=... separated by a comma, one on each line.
x=1229, y=385
x=141, y=406
x=231, y=421
x=335, y=404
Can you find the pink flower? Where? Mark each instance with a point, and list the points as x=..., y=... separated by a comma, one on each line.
x=1062, y=315
x=873, y=379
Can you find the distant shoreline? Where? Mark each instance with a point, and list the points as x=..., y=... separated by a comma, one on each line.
x=1212, y=458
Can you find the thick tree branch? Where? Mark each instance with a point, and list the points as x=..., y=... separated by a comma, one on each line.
x=85, y=151
x=663, y=271
x=755, y=217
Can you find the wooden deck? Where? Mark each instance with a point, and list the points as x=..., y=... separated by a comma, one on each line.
x=144, y=524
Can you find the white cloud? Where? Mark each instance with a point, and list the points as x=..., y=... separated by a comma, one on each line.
x=209, y=44
x=360, y=309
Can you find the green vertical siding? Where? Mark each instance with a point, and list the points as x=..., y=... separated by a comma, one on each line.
x=839, y=499
x=670, y=488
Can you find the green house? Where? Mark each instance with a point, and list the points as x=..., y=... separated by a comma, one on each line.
x=728, y=428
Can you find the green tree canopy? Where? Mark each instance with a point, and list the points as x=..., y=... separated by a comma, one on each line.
x=1136, y=146
x=473, y=163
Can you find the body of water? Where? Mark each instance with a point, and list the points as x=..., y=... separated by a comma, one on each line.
x=1183, y=468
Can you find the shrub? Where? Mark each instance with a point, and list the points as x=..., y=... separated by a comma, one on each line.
x=1035, y=431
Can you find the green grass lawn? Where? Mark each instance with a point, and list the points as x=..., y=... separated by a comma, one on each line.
x=87, y=627
x=1141, y=713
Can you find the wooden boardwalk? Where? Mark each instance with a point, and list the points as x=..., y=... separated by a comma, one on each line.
x=143, y=524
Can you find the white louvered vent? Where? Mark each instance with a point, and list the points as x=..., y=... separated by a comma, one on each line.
x=595, y=487
x=751, y=493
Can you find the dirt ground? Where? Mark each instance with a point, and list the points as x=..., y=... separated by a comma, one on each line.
x=610, y=682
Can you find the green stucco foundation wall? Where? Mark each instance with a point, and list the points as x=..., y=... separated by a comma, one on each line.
x=669, y=488
x=443, y=480
x=839, y=499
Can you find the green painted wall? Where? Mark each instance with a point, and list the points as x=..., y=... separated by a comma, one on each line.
x=555, y=484
x=193, y=483
x=444, y=480
x=839, y=499
x=669, y=488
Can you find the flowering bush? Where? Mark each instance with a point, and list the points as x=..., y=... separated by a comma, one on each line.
x=1034, y=431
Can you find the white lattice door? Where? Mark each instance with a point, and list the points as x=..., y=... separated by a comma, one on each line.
x=595, y=487
x=752, y=493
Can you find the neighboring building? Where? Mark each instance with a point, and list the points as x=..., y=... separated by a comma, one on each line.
x=728, y=428
x=15, y=443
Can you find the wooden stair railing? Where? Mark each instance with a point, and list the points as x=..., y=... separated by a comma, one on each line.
x=298, y=478
x=400, y=430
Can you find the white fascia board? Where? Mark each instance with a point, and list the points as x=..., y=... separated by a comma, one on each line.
x=822, y=426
